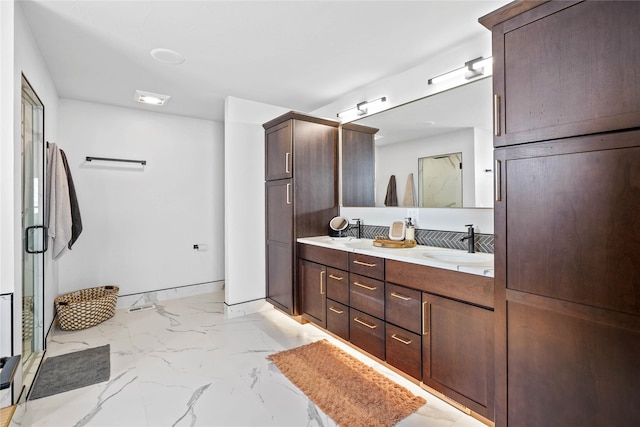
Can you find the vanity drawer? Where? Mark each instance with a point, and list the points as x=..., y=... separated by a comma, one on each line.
x=366, y=294
x=366, y=265
x=466, y=287
x=331, y=257
x=404, y=350
x=338, y=285
x=338, y=319
x=402, y=307
x=367, y=332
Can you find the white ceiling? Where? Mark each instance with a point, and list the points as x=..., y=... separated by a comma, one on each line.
x=296, y=54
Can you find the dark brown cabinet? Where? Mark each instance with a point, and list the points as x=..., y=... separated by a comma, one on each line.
x=358, y=165
x=433, y=325
x=324, y=288
x=451, y=312
x=301, y=196
x=313, y=285
x=367, y=332
x=457, y=352
x=403, y=316
x=568, y=318
x=566, y=68
x=567, y=300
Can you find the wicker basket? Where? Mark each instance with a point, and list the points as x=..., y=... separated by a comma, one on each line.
x=86, y=307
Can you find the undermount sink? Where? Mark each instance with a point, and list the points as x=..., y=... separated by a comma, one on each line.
x=462, y=258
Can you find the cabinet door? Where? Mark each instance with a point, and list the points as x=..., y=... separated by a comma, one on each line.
x=278, y=152
x=567, y=370
x=358, y=168
x=280, y=290
x=279, y=211
x=279, y=246
x=567, y=295
x=457, y=352
x=551, y=83
x=313, y=285
x=571, y=214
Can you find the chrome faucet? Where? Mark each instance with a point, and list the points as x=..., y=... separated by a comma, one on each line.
x=359, y=227
x=470, y=238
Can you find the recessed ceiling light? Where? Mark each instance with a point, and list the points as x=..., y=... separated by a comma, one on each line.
x=167, y=56
x=150, y=98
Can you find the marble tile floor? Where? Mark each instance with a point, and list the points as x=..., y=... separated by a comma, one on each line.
x=189, y=363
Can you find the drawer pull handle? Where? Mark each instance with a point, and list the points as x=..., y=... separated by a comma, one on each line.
x=362, y=322
x=335, y=277
x=288, y=194
x=335, y=310
x=366, y=264
x=370, y=288
x=403, y=341
x=399, y=296
x=322, y=283
x=286, y=163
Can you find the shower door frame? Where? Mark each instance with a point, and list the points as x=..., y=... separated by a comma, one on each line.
x=34, y=235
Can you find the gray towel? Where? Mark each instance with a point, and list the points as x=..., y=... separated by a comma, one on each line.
x=76, y=219
x=60, y=221
x=392, y=194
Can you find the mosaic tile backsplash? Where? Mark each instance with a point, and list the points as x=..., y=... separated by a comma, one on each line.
x=437, y=238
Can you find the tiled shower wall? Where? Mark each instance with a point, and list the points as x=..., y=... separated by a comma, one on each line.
x=437, y=238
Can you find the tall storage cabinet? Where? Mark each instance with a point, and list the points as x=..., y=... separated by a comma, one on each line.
x=301, y=196
x=567, y=213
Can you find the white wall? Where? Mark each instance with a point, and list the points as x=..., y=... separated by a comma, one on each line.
x=140, y=223
x=483, y=156
x=400, y=89
x=452, y=219
x=402, y=159
x=244, y=198
x=7, y=149
x=412, y=84
x=19, y=55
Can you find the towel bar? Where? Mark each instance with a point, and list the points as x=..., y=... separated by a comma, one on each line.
x=107, y=159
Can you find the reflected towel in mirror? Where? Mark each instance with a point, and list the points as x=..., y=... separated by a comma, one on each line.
x=409, y=192
x=391, y=198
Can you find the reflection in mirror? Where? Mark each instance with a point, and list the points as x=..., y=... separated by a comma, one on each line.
x=440, y=181
x=458, y=120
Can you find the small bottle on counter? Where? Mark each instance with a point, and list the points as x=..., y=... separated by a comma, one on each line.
x=410, y=232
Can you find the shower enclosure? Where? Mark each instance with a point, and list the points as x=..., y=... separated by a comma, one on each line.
x=34, y=242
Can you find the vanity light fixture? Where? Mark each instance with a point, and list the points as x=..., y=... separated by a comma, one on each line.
x=150, y=98
x=362, y=108
x=472, y=69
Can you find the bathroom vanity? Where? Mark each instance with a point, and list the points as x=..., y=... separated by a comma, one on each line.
x=426, y=312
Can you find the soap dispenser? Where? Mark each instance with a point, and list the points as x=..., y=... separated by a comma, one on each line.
x=410, y=233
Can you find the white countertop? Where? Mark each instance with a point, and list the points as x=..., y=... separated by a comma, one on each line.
x=478, y=263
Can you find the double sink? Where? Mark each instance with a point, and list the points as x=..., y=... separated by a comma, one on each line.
x=450, y=259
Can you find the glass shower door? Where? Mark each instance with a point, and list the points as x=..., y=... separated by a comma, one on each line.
x=34, y=232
